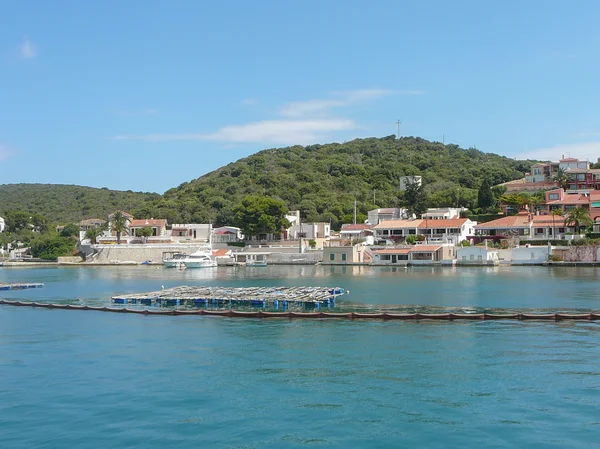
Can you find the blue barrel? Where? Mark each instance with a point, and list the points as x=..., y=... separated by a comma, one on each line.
x=276, y=304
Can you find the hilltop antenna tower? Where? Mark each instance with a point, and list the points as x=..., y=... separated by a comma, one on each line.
x=398, y=122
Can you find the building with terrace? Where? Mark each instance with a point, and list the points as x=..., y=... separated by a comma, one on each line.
x=453, y=230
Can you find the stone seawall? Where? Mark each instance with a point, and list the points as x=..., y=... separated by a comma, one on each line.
x=118, y=254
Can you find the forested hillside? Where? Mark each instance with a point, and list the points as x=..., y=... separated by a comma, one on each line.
x=323, y=181
x=68, y=203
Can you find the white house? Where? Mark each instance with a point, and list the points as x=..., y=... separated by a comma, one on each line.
x=191, y=231
x=453, y=230
x=443, y=213
x=476, y=255
x=309, y=231
x=376, y=216
x=405, y=180
x=293, y=217
x=2, y=224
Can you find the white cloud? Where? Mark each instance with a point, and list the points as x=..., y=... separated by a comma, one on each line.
x=249, y=102
x=5, y=152
x=281, y=132
x=27, y=50
x=339, y=99
x=583, y=151
x=303, y=122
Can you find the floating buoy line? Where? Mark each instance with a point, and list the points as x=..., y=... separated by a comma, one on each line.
x=591, y=316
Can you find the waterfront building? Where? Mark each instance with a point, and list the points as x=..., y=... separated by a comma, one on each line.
x=90, y=223
x=158, y=226
x=321, y=230
x=525, y=225
x=183, y=232
x=453, y=230
x=356, y=231
x=376, y=216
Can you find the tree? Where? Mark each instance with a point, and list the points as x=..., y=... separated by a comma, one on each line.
x=260, y=215
x=118, y=225
x=144, y=233
x=485, y=198
x=70, y=230
x=578, y=217
x=93, y=233
x=555, y=213
x=561, y=178
x=415, y=199
x=16, y=220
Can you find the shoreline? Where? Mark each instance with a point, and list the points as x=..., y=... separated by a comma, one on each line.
x=9, y=264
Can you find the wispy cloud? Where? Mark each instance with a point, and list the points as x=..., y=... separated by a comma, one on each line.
x=281, y=132
x=27, y=50
x=5, y=152
x=134, y=112
x=300, y=122
x=338, y=99
x=585, y=150
x=249, y=101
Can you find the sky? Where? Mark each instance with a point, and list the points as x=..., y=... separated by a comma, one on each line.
x=146, y=95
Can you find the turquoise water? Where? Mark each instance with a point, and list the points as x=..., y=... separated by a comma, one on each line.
x=91, y=379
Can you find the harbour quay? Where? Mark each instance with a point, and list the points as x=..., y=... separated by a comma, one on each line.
x=272, y=297
x=20, y=286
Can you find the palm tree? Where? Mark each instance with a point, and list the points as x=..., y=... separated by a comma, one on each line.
x=554, y=213
x=561, y=177
x=577, y=217
x=118, y=225
x=93, y=234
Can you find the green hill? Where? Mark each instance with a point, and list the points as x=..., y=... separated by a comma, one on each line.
x=68, y=203
x=323, y=181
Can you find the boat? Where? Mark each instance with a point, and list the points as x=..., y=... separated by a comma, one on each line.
x=199, y=259
x=176, y=261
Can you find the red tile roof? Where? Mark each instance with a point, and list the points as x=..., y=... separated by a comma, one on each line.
x=548, y=220
x=444, y=223
x=221, y=252
x=425, y=248
x=513, y=221
x=393, y=251
x=399, y=224
x=148, y=222
x=354, y=227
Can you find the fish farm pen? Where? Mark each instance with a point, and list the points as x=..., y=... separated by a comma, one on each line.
x=271, y=297
x=20, y=286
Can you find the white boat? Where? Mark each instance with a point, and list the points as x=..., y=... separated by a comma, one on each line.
x=176, y=261
x=199, y=259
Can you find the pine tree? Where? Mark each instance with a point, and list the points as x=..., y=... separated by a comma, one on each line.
x=485, y=198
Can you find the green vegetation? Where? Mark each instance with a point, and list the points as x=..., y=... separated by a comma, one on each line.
x=485, y=197
x=257, y=215
x=69, y=204
x=324, y=180
x=118, y=224
x=52, y=245
x=578, y=217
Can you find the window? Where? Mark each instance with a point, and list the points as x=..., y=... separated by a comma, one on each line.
x=332, y=256
x=397, y=232
x=386, y=232
x=472, y=257
x=464, y=257
x=553, y=196
x=581, y=177
x=412, y=231
x=344, y=257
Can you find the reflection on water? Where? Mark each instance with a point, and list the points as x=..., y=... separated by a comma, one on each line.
x=435, y=288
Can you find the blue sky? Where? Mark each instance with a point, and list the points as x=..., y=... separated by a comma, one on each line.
x=147, y=95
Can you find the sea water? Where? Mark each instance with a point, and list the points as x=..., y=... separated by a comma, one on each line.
x=91, y=379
